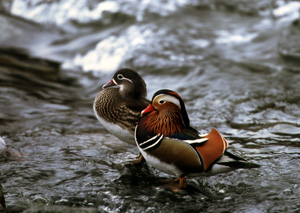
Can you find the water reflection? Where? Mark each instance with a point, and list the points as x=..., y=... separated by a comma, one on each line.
x=222, y=58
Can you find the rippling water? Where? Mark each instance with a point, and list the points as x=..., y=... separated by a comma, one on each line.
x=235, y=65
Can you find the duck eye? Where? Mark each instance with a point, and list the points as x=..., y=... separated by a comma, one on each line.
x=161, y=101
x=120, y=76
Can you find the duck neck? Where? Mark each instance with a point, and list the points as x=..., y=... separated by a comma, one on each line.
x=165, y=123
x=130, y=92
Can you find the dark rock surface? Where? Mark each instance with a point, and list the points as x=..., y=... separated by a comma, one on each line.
x=2, y=200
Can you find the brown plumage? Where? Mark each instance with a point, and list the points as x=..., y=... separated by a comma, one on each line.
x=119, y=103
x=114, y=109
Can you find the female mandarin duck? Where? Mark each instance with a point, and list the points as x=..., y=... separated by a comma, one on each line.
x=168, y=142
x=119, y=104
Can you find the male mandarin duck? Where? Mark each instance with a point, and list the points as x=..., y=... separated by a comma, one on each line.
x=119, y=104
x=168, y=142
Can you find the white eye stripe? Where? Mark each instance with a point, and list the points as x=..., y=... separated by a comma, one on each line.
x=123, y=78
x=128, y=79
x=168, y=98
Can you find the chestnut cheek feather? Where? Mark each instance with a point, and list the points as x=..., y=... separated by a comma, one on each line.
x=166, y=124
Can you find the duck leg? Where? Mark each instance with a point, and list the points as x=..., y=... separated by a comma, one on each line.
x=181, y=182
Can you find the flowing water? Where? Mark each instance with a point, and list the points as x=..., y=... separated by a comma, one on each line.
x=235, y=64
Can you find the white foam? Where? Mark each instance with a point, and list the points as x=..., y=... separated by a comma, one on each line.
x=290, y=9
x=226, y=37
x=63, y=11
x=110, y=52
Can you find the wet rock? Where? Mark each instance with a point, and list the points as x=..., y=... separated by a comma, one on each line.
x=5, y=6
x=16, y=31
x=62, y=209
x=2, y=200
x=255, y=7
x=31, y=88
x=20, y=33
x=289, y=43
x=18, y=60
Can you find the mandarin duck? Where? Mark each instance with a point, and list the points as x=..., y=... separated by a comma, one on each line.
x=119, y=104
x=168, y=142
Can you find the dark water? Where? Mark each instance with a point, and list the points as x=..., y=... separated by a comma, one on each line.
x=235, y=64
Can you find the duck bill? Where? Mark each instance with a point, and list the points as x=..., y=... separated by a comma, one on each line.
x=148, y=109
x=111, y=83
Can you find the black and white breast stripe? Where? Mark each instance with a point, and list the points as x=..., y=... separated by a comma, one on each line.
x=151, y=143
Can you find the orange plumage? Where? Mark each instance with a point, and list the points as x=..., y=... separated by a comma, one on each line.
x=214, y=148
